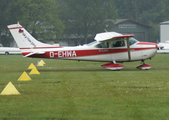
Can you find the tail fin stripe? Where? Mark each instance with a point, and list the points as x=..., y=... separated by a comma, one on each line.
x=16, y=28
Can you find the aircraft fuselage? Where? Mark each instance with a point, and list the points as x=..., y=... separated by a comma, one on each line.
x=139, y=51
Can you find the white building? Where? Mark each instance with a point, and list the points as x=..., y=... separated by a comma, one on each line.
x=164, y=31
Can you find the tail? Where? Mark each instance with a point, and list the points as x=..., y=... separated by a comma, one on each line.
x=25, y=41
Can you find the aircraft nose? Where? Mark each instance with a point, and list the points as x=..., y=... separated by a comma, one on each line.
x=156, y=45
x=150, y=49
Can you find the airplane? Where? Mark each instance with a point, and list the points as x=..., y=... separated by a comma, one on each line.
x=109, y=47
x=9, y=50
x=163, y=47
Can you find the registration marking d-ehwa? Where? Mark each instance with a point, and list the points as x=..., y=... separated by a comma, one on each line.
x=63, y=54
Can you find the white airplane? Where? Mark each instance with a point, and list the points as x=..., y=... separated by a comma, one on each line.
x=9, y=50
x=108, y=47
x=163, y=47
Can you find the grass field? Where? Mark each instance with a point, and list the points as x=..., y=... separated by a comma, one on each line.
x=71, y=90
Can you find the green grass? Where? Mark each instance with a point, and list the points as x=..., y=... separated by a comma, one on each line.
x=71, y=90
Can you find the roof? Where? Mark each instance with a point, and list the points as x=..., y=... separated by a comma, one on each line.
x=119, y=21
x=163, y=23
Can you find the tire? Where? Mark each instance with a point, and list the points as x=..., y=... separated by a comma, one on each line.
x=6, y=53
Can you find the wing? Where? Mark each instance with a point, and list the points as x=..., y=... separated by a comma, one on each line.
x=110, y=36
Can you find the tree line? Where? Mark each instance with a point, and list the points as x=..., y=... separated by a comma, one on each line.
x=51, y=20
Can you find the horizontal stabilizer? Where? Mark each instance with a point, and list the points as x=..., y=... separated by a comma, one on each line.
x=33, y=53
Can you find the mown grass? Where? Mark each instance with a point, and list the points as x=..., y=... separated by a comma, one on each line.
x=71, y=90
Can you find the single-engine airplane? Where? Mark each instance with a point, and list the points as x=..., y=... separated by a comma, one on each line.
x=109, y=47
x=163, y=47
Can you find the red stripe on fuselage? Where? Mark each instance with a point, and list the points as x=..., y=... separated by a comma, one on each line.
x=78, y=53
x=81, y=53
x=145, y=43
x=41, y=48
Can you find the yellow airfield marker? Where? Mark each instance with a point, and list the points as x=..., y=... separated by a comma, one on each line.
x=34, y=71
x=40, y=64
x=31, y=66
x=24, y=77
x=10, y=90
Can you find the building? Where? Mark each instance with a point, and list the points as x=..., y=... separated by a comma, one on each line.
x=164, y=31
x=123, y=26
x=128, y=26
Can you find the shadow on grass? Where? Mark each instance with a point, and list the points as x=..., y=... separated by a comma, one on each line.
x=73, y=70
x=87, y=70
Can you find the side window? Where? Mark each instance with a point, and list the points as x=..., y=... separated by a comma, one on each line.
x=117, y=44
x=103, y=45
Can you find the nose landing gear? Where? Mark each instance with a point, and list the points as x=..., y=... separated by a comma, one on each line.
x=144, y=66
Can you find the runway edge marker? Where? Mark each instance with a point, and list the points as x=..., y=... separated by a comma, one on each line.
x=10, y=90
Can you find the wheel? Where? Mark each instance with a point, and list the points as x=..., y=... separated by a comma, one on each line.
x=6, y=53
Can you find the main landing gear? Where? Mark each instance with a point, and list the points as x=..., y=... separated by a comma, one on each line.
x=113, y=66
x=144, y=66
x=116, y=67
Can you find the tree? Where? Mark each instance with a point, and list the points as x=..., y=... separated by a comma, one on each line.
x=87, y=17
x=41, y=18
x=6, y=17
x=153, y=15
x=150, y=12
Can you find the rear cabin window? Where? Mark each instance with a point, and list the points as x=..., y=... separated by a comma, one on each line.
x=117, y=44
x=103, y=45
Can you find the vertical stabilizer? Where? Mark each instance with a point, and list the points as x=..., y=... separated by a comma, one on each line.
x=23, y=38
x=25, y=41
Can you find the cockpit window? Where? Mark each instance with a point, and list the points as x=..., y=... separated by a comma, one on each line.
x=132, y=41
x=103, y=45
x=117, y=44
x=94, y=42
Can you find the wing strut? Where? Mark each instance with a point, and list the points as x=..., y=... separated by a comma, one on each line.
x=128, y=47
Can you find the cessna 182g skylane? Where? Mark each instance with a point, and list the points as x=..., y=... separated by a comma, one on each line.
x=108, y=47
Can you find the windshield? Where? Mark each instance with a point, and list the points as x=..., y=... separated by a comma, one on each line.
x=132, y=41
x=94, y=42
